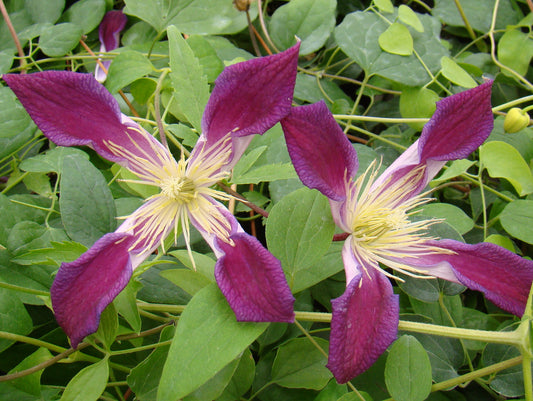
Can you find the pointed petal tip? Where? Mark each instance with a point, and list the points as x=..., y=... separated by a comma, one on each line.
x=322, y=155
x=83, y=288
x=364, y=324
x=252, y=96
x=460, y=125
x=253, y=282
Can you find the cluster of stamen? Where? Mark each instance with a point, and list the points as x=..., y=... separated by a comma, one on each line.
x=185, y=191
x=381, y=229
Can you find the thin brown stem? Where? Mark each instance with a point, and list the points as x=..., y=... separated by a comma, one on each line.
x=11, y=28
x=252, y=35
x=126, y=100
x=243, y=200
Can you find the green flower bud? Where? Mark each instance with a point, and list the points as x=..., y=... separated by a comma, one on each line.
x=515, y=120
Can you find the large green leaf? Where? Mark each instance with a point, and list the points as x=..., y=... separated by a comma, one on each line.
x=190, y=83
x=311, y=21
x=207, y=338
x=44, y=11
x=31, y=383
x=88, y=384
x=126, y=68
x=59, y=39
x=299, y=230
x=86, y=14
x=517, y=219
x=358, y=37
x=13, y=317
x=408, y=371
x=299, y=364
x=504, y=161
x=13, y=117
x=515, y=50
x=87, y=206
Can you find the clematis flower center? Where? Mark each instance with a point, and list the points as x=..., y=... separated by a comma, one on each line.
x=380, y=225
x=180, y=189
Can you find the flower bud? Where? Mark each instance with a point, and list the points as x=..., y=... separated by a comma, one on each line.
x=242, y=5
x=515, y=120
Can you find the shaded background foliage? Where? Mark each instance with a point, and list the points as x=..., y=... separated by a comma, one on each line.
x=370, y=62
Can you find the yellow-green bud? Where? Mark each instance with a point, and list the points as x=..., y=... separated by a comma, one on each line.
x=515, y=120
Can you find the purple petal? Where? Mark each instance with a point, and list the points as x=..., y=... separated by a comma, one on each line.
x=112, y=24
x=504, y=277
x=460, y=125
x=252, y=281
x=364, y=323
x=74, y=109
x=83, y=288
x=322, y=155
x=250, y=97
x=108, y=31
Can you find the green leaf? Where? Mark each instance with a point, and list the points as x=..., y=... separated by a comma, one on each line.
x=13, y=117
x=409, y=17
x=88, y=384
x=312, y=21
x=299, y=230
x=31, y=383
x=242, y=378
x=214, y=387
x=451, y=214
x=190, y=83
x=456, y=168
x=210, y=17
x=384, y=6
x=144, y=378
x=189, y=280
x=266, y=173
x=207, y=56
x=517, y=219
x=108, y=327
x=156, y=12
x=51, y=161
x=408, y=371
x=508, y=382
x=455, y=74
x=207, y=338
x=28, y=235
x=57, y=253
x=86, y=14
x=13, y=317
x=504, y=242
x=515, y=50
x=127, y=67
x=358, y=36
x=299, y=364
x=203, y=263
x=126, y=305
x=396, y=40
x=87, y=206
x=448, y=13
x=58, y=40
x=417, y=103
x=504, y=161
x=142, y=89
x=44, y=11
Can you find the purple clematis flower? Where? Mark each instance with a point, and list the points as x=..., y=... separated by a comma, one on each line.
x=249, y=98
x=112, y=24
x=375, y=211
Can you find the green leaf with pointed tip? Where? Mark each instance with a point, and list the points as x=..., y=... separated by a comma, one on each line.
x=455, y=74
x=86, y=14
x=88, y=384
x=13, y=117
x=311, y=21
x=384, y=6
x=31, y=383
x=517, y=219
x=13, y=317
x=86, y=203
x=396, y=40
x=515, y=50
x=44, y=11
x=408, y=371
x=191, y=90
x=418, y=103
x=409, y=17
x=127, y=67
x=299, y=364
x=207, y=338
x=502, y=160
x=59, y=39
x=299, y=230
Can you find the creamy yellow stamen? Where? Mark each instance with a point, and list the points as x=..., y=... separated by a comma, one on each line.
x=381, y=231
x=185, y=191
